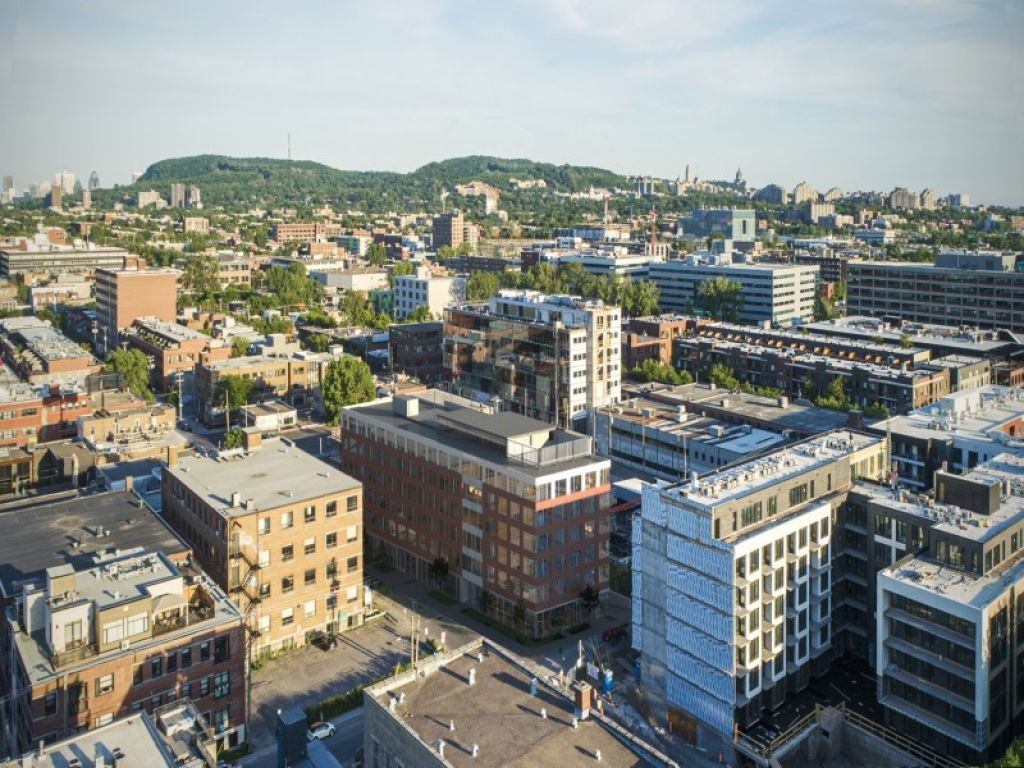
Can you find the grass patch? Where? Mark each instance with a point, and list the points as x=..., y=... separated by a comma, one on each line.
x=443, y=597
x=510, y=632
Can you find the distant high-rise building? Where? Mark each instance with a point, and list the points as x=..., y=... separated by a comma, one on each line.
x=177, y=195
x=804, y=192
x=192, y=197
x=734, y=224
x=903, y=199
x=959, y=200
x=928, y=199
x=8, y=184
x=55, y=195
x=133, y=291
x=832, y=195
x=94, y=180
x=772, y=193
x=66, y=180
x=449, y=229
x=150, y=197
x=87, y=198
x=136, y=175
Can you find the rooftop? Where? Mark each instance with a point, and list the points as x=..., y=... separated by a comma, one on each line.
x=498, y=714
x=134, y=737
x=115, y=578
x=970, y=414
x=803, y=419
x=40, y=536
x=969, y=340
x=963, y=587
x=276, y=474
x=174, y=332
x=506, y=440
x=804, y=339
x=741, y=479
x=45, y=341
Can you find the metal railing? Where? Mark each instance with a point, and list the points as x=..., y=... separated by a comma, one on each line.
x=766, y=750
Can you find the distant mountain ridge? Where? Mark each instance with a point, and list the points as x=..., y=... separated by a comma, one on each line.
x=227, y=180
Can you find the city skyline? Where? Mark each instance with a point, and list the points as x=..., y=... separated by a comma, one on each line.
x=888, y=94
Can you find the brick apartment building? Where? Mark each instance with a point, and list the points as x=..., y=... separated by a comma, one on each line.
x=113, y=624
x=40, y=354
x=122, y=295
x=516, y=508
x=305, y=231
x=174, y=349
x=279, y=530
x=650, y=338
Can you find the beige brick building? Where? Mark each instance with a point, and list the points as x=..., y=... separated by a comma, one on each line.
x=279, y=530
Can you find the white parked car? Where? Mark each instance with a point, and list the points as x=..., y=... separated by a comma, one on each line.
x=319, y=731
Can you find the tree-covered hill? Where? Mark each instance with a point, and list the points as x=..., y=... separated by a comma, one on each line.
x=233, y=181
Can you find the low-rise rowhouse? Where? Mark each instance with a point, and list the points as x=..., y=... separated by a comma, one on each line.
x=279, y=530
x=174, y=349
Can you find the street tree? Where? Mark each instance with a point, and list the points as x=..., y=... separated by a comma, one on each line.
x=133, y=366
x=347, y=381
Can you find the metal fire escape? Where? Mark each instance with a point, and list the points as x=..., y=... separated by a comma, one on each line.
x=244, y=587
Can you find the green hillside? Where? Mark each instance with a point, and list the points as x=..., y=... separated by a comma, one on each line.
x=233, y=181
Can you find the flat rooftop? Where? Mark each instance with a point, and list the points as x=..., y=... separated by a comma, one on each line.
x=499, y=715
x=129, y=573
x=276, y=474
x=667, y=420
x=961, y=586
x=40, y=536
x=170, y=331
x=969, y=340
x=970, y=414
x=718, y=329
x=135, y=736
x=733, y=482
x=804, y=419
x=449, y=421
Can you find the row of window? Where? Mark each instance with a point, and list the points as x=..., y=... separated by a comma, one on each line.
x=309, y=514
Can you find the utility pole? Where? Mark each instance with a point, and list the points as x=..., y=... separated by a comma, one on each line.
x=180, y=375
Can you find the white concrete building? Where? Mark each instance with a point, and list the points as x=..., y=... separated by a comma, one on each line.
x=781, y=294
x=426, y=288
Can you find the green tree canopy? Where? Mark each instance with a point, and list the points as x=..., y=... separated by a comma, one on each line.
x=133, y=365
x=233, y=438
x=482, y=285
x=347, y=381
x=355, y=308
x=640, y=298
x=652, y=370
x=377, y=254
x=235, y=390
x=419, y=315
x=720, y=298
x=239, y=346
x=200, y=276
x=723, y=376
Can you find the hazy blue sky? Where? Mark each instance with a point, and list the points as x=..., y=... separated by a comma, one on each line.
x=863, y=95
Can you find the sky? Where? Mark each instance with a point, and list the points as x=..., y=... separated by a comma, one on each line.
x=866, y=95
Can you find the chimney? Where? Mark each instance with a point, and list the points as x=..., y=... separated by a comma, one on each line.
x=476, y=750
x=440, y=747
x=252, y=438
x=597, y=755
x=472, y=676
x=855, y=419
x=583, y=697
x=236, y=499
x=172, y=457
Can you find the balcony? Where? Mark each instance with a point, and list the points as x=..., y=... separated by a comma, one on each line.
x=72, y=655
x=171, y=622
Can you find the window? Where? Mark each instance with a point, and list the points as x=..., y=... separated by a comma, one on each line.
x=309, y=547
x=204, y=687
x=113, y=632
x=353, y=593
x=309, y=577
x=309, y=513
x=287, y=617
x=264, y=591
x=332, y=509
x=264, y=526
x=186, y=690
x=286, y=519
x=156, y=666
x=352, y=534
x=104, y=684
x=352, y=564
x=106, y=719
x=351, y=503
x=332, y=540
x=221, y=649
x=221, y=684
x=172, y=662
x=287, y=584
x=263, y=559
x=287, y=553
x=204, y=650
x=50, y=703
x=309, y=609
x=138, y=624
x=137, y=675
x=186, y=658
x=221, y=720
x=797, y=494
